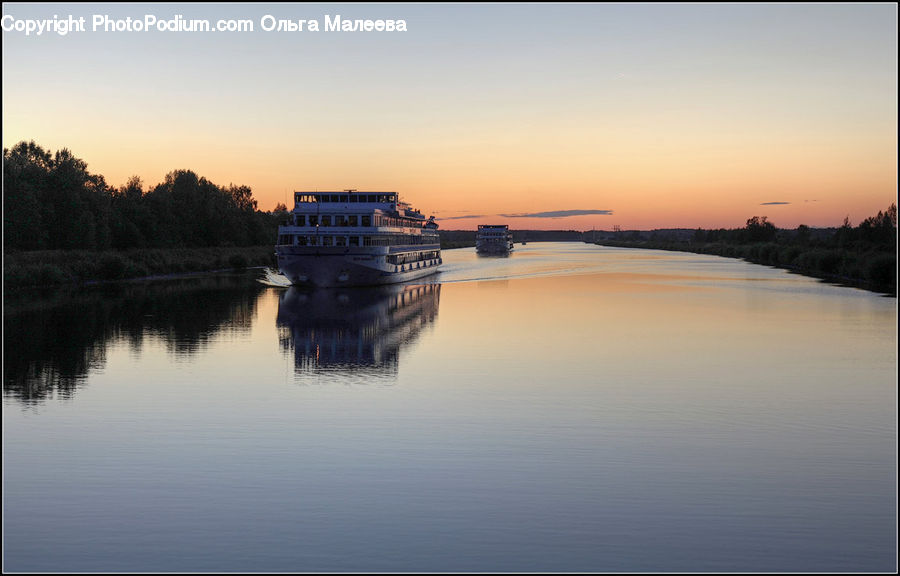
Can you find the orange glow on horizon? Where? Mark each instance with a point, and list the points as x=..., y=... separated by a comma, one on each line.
x=664, y=126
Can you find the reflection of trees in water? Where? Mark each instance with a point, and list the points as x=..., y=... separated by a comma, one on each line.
x=356, y=332
x=51, y=342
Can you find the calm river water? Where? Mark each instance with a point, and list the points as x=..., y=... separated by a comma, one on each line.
x=568, y=408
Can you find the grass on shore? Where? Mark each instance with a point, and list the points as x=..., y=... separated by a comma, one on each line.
x=62, y=267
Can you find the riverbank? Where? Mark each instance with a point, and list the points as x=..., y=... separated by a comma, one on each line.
x=873, y=270
x=72, y=267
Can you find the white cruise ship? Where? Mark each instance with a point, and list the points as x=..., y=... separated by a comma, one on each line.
x=493, y=239
x=353, y=238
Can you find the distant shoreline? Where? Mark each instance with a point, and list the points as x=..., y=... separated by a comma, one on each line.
x=766, y=255
x=51, y=268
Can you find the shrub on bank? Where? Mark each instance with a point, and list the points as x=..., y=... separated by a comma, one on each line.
x=237, y=261
x=112, y=267
x=788, y=255
x=874, y=270
x=881, y=270
x=58, y=267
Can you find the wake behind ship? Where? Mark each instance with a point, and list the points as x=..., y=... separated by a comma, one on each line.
x=353, y=238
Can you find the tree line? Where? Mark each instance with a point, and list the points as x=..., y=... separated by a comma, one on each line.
x=864, y=255
x=52, y=202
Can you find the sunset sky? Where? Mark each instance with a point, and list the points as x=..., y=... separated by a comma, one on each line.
x=579, y=115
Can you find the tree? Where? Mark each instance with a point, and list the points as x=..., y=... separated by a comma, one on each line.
x=26, y=168
x=759, y=229
x=242, y=197
x=803, y=235
x=880, y=229
x=133, y=189
x=51, y=201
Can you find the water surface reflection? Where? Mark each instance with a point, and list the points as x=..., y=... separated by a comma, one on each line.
x=573, y=409
x=56, y=340
x=354, y=333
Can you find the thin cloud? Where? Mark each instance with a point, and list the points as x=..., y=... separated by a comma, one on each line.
x=461, y=217
x=559, y=214
x=773, y=203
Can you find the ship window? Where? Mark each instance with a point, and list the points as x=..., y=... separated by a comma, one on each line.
x=340, y=241
x=344, y=198
x=326, y=220
x=353, y=198
x=353, y=220
x=366, y=220
x=313, y=220
x=300, y=219
x=326, y=240
x=354, y=241
x=301, y=240
x=375, y=241
x=370, y=198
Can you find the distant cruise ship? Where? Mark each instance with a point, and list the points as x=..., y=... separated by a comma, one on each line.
x=353, y=238
x=493, y=239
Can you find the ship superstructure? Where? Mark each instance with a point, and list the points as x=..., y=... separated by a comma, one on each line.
x=353, y=238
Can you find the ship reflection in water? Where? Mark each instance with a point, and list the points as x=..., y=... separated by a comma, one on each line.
x=354, y=334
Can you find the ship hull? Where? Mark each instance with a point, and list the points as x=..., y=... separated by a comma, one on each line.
x=493, y=248
x=331, y=267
